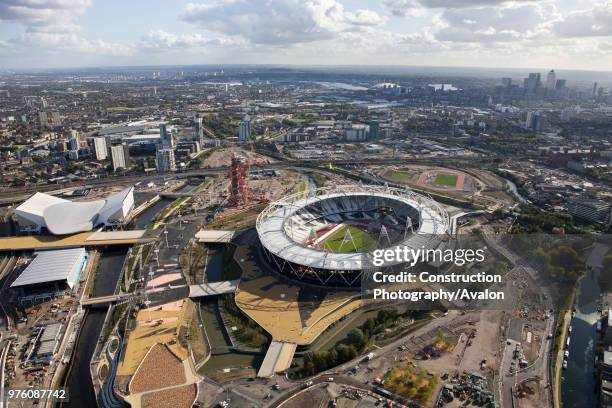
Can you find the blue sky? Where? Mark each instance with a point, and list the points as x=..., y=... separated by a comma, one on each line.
x=562, y=34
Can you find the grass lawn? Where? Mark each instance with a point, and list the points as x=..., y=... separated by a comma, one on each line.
x=446, y=180
x=362, y=239
x=397, y=176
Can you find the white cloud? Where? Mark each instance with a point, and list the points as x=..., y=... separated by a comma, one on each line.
x=42, y=13
x=593, y=22
x=418, y=8
x=67, y=42
x=51, y=26
x=467, y=3
x=512, y=22
x=162, y=40
x=159, y=39
x=279, y=22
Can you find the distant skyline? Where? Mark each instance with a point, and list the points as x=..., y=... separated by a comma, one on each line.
x=559, y=34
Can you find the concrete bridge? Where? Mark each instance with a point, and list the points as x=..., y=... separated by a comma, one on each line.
x=101, y=300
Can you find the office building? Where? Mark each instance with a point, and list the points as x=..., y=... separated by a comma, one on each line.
x=56, y=120
x=374, y=130
x=551, y=80
x=100, y=148
x=244, y=132
x=120, y=155
x=357, y=133
x=164, y=160
x=73, y=144
x=535, y=121
x=533, y=83
x=198, y=133
x=560, y=84
x=165, y=136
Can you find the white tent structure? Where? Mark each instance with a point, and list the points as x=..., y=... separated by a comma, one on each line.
x=61, y=217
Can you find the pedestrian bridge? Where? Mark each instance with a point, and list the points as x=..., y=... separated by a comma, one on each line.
x=99, y=300
x=213, y=288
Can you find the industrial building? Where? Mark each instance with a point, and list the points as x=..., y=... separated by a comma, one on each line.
x=592, y=210
x=61, y=217
x=51, y=271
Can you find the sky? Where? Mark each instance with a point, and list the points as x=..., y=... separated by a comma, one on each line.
x=559, y=34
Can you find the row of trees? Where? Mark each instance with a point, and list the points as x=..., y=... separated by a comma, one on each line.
x=356, y=341
x=249, y=333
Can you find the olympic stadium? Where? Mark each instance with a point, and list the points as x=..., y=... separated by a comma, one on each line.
x=326, y=236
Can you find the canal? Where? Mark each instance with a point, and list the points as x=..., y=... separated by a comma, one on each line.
x=579, y=387
x=79, y=382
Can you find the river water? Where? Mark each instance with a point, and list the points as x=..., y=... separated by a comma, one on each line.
x=79, y=383
x=579, y=380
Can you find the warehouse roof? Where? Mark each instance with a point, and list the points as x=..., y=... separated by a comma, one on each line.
x=51, y=266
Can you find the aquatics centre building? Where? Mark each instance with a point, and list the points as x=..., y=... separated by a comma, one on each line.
x=61, y=217
x=326, y=236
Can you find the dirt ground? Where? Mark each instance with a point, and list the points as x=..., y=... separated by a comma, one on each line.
x=529, y=394
x=531, y=348
x=485, y=344
x=318, y=396
x=323, y=395
x=222, y=157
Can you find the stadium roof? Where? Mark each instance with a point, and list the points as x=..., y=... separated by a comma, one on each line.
x=271, y=226
x=52, y=266
x=62, y=217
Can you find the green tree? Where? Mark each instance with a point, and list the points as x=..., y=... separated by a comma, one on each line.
x=369, y=327
x=356, y=338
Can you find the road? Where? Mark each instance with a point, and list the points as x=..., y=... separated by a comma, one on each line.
x=342, y=380
x=540, y=368
x=295, y=387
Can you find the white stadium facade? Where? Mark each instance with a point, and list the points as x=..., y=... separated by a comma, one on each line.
x=291, y=230
x=61, y=217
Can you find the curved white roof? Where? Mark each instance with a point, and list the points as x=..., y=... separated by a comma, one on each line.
x=62, y=217
x=273, y=234
x=70, y=217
